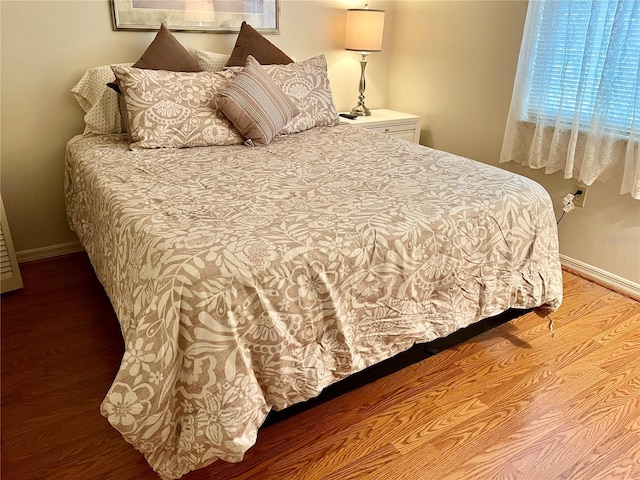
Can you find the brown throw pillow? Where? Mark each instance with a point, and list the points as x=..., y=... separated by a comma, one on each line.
x=166, y=53
x=251, y=42
x=255, y=105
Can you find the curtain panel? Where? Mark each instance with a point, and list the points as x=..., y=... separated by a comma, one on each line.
x=576, y=95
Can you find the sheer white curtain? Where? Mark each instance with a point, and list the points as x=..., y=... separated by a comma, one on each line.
x=576, y=97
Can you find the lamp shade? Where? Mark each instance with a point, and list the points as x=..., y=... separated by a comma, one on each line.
x=364, y=30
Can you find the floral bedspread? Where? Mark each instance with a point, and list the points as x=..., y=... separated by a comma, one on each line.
x=247, y=279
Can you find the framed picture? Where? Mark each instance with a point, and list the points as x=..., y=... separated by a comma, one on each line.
x=216, y=16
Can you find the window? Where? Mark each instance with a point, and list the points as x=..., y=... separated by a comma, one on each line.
x=576, y=97
x=574, y=40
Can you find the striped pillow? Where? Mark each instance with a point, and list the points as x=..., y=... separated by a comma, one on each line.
x=255, y=105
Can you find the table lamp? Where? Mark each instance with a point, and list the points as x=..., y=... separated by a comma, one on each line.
x=364, y=35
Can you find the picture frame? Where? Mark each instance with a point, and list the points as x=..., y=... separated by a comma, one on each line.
x=211, y=16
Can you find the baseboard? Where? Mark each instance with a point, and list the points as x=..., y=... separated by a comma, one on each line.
x=602, y=277
x=41, y=253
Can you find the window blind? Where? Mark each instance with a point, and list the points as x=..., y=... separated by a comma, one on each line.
x=585, y=63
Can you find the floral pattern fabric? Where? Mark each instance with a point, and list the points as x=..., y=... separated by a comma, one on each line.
x=307, y=84
x=174, y=109
x=250, y=279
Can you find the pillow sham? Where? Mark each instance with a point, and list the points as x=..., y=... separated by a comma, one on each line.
x=100, y=103
x=211, y=61
x=174, y=109
x=307, y=85
x=255, y=105
x=251, y=42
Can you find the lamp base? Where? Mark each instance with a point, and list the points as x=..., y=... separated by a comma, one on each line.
x=360, y=110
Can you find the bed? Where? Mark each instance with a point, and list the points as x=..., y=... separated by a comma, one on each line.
x=248, y=278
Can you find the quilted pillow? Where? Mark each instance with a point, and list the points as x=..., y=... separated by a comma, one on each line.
x=255, y=104
x=174, y=109
x=251, y=42
x=100, y=103
x=307, y=85
x=211, y=61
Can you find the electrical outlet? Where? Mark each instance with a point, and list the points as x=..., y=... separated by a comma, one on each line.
x=580, y=198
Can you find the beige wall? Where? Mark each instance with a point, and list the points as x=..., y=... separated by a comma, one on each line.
x=47, y=45
x=454, y=63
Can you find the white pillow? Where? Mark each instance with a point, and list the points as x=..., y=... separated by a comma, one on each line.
x=211, y=61
x=100, y=102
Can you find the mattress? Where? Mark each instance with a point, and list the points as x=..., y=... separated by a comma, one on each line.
x=248, y=279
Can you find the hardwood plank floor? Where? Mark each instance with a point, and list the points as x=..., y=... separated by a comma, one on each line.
x=512, y=402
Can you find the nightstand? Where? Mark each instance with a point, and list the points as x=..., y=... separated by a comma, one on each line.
x=398, y=124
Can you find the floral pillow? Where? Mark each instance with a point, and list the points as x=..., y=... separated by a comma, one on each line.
x=307, y=85
x=102, y=105
x=174, y=109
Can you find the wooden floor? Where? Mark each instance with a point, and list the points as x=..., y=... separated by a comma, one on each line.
x=511, y=403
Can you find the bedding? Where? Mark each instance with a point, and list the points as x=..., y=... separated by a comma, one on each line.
x=165, y=52
x=174, y=109
x=99, y=102
x=248, y=279
x=255, y=105
x=211, y=61
x=98, y=95
x=307, y=84
x=251, y=42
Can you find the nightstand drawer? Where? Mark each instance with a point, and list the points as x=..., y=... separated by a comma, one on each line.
x=388, y=122
x=408, y=135
x=392, y=129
